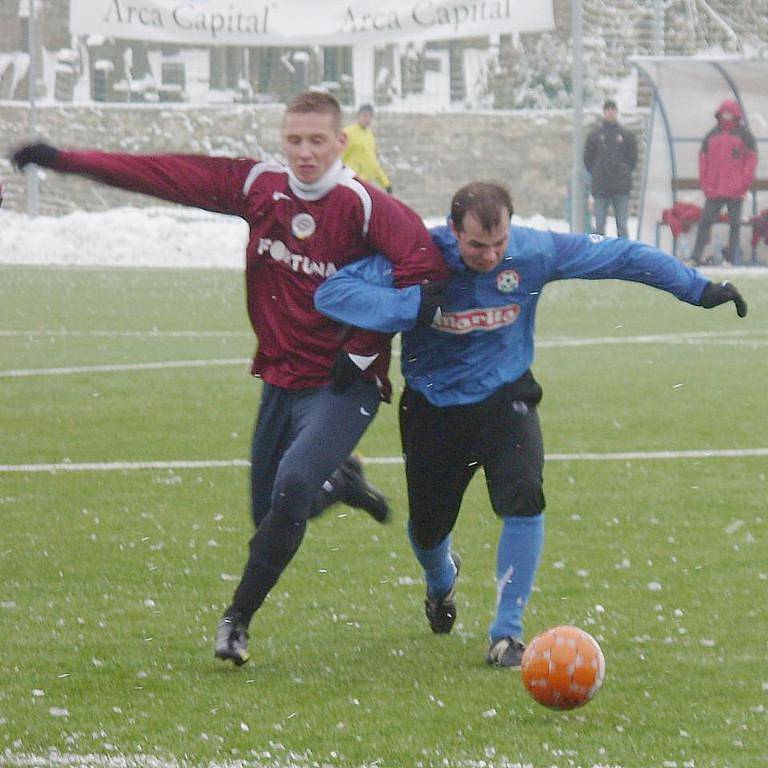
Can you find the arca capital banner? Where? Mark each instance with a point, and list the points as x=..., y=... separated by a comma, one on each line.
x=304, y=22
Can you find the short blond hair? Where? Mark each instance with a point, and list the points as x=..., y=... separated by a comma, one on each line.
x=318, y=102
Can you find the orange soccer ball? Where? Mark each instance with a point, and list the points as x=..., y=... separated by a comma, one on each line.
x=563, y=668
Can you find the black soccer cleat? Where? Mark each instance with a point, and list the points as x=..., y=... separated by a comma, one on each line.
x=231, y=641
x=355, y=491
x=441, y=614
x=506, y=652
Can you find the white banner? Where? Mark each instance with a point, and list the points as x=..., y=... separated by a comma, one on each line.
x=305, y=22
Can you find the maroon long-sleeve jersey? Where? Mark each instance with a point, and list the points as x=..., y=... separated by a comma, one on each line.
x=299, y=235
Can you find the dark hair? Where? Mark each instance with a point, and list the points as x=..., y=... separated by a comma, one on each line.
x=609, y=104
x=316, y=101
x=365, y=108
x=485, y=200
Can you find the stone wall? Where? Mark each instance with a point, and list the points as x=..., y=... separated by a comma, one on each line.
x=427, y=156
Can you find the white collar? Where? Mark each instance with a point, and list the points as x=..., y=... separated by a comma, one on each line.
x=319, y=188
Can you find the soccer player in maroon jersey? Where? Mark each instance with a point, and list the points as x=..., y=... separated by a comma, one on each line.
x=322, y=383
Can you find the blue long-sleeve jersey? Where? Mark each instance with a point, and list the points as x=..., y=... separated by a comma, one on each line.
x=484, y=337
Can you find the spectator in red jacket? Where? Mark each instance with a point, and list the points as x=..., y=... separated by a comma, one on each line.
x=727, y=162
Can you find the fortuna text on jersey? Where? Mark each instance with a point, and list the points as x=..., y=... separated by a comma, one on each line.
x=278, y=250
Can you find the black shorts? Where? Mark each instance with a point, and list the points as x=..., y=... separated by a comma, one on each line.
x=445, y=446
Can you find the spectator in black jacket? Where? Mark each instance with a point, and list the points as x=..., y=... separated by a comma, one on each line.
x=610, y=156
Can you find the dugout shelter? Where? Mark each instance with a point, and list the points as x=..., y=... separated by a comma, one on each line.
x=687, y=91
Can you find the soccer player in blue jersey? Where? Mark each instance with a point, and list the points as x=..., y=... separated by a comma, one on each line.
x=470, y=398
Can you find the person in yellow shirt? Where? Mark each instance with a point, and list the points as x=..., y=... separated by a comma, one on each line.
x=360, y=154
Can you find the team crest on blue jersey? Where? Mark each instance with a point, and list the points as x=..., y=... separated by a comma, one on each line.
x=507, y=280
x=302, y=225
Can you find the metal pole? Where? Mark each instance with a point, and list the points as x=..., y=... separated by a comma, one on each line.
x=658, y=27
x=32, y=180
x=577, y=173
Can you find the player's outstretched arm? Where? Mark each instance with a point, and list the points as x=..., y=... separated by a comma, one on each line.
x=363, y=295
x=594, y=257
x=213, y=183
x=715, y=294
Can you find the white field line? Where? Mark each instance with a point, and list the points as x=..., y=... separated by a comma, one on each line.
x=749, y=338
x=739, y=338
x=155, y=332
x=688, y=340
x=554, y=342
x=124, y=466
x=151, y=333
x=17, y=373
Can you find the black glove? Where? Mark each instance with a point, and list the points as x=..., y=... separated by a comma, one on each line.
x=716, y=294
x=433, y=296
x=43, y=155
x=345, y=372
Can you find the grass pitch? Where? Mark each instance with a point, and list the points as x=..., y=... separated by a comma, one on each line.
x=113, y=579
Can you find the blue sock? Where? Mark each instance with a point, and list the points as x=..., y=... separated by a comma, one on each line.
x=439, y=570
x=517, y=559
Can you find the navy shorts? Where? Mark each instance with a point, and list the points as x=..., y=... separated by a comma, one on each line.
x=305, y=432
